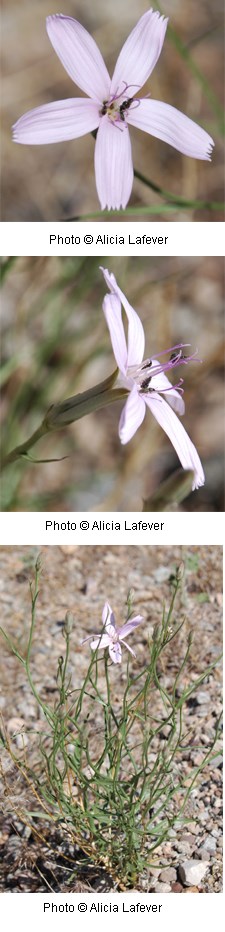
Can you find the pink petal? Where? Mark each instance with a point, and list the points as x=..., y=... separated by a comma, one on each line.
x=79, y=55
x=101, y=641
x=130, y=625
x=112, y=311
x=184, y=447
x=161, y=383
x=136, y=337
x=139, y=54
x=167, y=123
x=54, y=122
x=128, y=647
x=115, y=652
x=132, y=415
x=108, y=616
x=113, y=165
x=175, y=400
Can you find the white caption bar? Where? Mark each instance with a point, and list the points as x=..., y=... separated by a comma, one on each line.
x=108, y=528
x=93, y=912
x=112, y=239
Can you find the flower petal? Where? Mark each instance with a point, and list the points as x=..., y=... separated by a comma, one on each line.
x=140, y=53
x=128, y=647
x=102, y=641
x=161, y=383
x=115, y=652
x=108, y=616
x=54, y=122
x=113, y=165
x=132, y=415
x=130, y=625
x=136, y=337
x=175, y=400
x=112, y=311
x=184, y=447
x=79, y=55
x=167, y=123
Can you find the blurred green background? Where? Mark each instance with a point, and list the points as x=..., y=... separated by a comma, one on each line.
x=57, y=181
x=55, y=343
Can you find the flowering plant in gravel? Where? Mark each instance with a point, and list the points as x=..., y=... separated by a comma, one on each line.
x=110, y=768
x=111, y=105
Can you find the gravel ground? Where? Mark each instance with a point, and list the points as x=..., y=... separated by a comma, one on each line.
x=79, y=580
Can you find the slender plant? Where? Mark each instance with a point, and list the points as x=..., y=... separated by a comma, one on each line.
x=118, y=796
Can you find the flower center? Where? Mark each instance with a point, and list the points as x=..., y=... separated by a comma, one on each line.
x=118, y=104
x=144, y=374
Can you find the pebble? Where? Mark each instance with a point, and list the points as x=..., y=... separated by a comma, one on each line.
x=209, y=844
x=168, y=874
x=154, y=872
x=218, y=761
x=162, y=887
x=192, y=872
x=202, y=697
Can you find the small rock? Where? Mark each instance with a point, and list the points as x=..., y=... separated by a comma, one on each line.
x=218, y=761
x=168, y=875
x=162, y=887
x=154, y=872
x=202, y=697
x=177, y=888
x=161, y=573
x=191, y=890
x=192, y=872
x=209, y=844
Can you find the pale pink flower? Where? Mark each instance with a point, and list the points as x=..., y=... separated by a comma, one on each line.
x=111, y=104
x=113, y=637
x=146, y=380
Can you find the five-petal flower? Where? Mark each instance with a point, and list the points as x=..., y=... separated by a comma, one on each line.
x=111, y=104
x=111, y=636
x=146, y=381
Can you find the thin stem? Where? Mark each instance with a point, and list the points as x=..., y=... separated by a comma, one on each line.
x=148, y=211
x=23, y=448
x=68, y=411
x=175, y=199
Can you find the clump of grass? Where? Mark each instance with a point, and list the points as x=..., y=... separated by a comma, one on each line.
x=120, y=796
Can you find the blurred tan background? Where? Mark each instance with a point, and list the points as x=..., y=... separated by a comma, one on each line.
x=56, y=343
x=57, y=181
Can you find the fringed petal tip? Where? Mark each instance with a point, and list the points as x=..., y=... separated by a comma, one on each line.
x=198, y=481
x=209, y=151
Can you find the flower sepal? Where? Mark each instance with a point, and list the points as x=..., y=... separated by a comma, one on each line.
x=84, y=403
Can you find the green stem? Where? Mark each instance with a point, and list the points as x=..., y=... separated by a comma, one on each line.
x=175, y=199
x=149, y=211
x=23, y=448
x=72, y=409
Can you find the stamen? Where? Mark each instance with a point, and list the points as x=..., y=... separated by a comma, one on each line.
x=117, y=112
x=152, y=369
x=147, y=364
x=145, y=385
